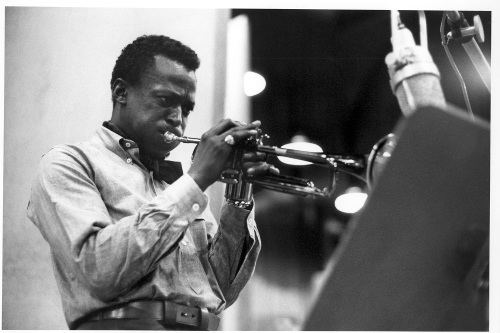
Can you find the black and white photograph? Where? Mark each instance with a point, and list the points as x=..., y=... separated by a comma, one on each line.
x=309, y=166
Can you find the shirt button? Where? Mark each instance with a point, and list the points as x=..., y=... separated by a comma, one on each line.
x=184, y=243
x=127, y=145
x=129, y=160
x=196, y=207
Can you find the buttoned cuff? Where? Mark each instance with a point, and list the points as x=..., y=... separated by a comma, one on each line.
x=238, y=219
x=190, y=199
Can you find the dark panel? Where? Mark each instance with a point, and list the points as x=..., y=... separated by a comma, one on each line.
x=408, y=261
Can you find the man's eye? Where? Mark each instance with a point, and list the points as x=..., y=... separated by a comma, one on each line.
x=166, y=101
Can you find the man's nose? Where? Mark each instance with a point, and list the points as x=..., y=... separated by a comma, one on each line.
x=174, y=117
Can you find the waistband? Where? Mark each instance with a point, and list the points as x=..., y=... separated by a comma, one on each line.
x=168, y=313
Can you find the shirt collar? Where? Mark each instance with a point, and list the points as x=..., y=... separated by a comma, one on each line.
x=168, y=171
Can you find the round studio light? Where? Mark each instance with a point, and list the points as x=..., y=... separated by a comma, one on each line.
x=253, y=83
x=304, y=146
x=351, y=201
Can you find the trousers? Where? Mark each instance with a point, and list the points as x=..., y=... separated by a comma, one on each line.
x=142, y=324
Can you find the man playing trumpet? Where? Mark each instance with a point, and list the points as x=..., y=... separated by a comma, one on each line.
x=133, y=242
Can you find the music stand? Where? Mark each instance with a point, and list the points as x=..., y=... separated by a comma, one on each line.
x=414, y=258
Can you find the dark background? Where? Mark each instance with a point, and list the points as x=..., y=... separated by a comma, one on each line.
x=326, y=75
x=326, y=78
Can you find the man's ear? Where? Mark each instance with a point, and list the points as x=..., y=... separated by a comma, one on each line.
x=119, y=91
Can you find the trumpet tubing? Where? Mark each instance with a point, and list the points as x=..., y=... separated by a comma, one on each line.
x=239, y=186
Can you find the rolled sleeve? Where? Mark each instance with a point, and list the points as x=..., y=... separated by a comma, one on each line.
x=235, y=250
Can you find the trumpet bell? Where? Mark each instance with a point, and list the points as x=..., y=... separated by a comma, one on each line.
x=378, y=158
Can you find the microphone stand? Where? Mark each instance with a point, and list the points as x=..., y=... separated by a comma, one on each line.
x=465, y=35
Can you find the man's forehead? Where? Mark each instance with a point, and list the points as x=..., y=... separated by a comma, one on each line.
x=173, y=71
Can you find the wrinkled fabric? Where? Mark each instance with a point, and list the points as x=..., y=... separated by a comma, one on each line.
x=166, y=170
x=116, y=234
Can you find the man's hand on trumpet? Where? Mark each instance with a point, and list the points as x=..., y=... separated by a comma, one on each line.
x=215, y=147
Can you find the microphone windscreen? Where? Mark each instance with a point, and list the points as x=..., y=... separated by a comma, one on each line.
x=419, y=91
x=415, y=79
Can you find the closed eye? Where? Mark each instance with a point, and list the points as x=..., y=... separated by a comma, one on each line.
x=169, y=101
x=173, y=101
x=187, y=108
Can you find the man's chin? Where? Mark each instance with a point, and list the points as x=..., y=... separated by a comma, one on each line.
x=164, y=151
x=161, y=153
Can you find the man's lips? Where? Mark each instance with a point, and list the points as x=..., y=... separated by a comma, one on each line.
x=174, y=131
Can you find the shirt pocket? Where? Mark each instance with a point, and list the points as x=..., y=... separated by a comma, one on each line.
x=192, y=270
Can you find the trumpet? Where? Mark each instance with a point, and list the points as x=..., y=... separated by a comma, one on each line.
x=239, y=186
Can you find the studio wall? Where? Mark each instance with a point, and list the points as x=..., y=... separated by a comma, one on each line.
x=58, y=64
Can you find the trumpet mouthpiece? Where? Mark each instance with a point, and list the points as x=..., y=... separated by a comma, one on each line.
x=170, y=137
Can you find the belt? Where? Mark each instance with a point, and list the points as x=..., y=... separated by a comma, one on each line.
x=168, y=313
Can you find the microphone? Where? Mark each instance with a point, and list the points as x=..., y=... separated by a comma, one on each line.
x=414, y=77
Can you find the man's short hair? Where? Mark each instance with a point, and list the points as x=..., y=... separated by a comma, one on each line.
x=140, y=55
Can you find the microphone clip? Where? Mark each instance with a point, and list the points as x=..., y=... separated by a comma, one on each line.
x=461, y=31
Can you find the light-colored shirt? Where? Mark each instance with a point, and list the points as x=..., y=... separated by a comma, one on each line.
x=116, y=234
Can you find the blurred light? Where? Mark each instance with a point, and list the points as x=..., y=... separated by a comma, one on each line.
x=304, y=146
x=351, y=201
x=236, y=102
x=253, y=83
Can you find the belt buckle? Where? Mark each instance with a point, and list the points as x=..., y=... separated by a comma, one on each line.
x=188, y=316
